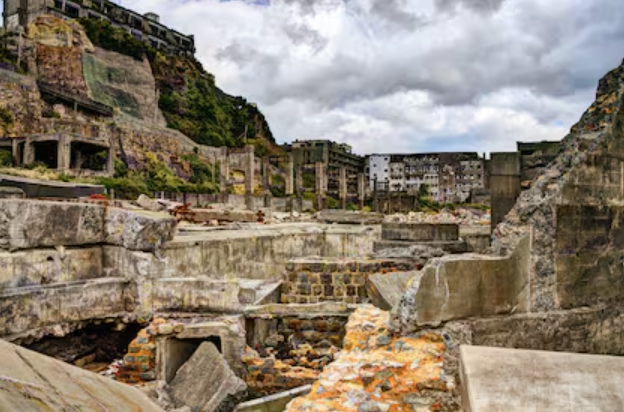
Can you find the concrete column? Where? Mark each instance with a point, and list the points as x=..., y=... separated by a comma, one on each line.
x=64, y=152
x=224, y=175
x=342, y=188
x=15, y=152
x=299, y=189
x=289, y=176
x=266, y=178
x=361, y=189
x=320, y=186
x=110, y=161
x=249, y=175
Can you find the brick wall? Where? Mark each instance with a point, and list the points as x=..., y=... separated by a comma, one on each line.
x=318, y=280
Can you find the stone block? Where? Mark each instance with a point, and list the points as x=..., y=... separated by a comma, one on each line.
x=349, y=218
x=205, y=382
x=386, y=291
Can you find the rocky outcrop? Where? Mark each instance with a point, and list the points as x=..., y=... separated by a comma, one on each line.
x=599, y=132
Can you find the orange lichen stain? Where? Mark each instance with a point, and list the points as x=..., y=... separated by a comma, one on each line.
x=379, y=371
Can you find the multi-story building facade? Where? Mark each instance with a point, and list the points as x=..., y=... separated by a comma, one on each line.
x=449, y=176
x=334, y=156
x=20, y=13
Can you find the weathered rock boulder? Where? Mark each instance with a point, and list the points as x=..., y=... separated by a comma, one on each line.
x=206, y=382
x=150, y=204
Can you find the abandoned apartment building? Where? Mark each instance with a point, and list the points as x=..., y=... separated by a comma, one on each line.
x=20, y=13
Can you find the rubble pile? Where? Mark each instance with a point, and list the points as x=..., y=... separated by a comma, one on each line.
x=380, y=371
x=466, y=217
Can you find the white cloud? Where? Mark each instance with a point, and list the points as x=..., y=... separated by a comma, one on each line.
x=407, y=75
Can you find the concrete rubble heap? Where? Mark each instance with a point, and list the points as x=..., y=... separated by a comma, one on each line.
x=381, y=371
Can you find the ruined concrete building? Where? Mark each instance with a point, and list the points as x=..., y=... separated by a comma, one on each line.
x=19, y=14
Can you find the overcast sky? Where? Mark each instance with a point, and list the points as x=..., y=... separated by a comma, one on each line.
x=407, y=75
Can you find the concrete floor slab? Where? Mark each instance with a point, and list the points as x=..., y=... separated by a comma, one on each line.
x=512, y=380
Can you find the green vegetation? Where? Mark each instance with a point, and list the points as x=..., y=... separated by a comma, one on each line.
x=157, y=177
x=6, y=158
x=6, y=118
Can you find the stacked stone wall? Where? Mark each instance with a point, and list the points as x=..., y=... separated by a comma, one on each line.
x=319, y=280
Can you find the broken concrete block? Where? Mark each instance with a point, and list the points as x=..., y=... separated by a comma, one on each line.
x=150, y=204
x=28, y=224
x=206, y=381
x=138, y=230
x=386, y=290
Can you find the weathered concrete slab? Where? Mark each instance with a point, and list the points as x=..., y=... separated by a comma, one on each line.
x=420, y=232
x=30, y=224
x=26, y=224
x=511, y=380
x=47, y=266
x=30, y=308
x=206, y=215
x=386, y=290
x=206, y=381
x=33, y=382
x=349, y=218
x=150, y=204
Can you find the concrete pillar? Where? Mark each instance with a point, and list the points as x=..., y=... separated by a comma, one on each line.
x=320, y=185
x=361, y=189
x=266, y=176
x=505, y=180
x=249, y=175
x=110, y=161
x=289, y=176
x=64, y=152
x=299, y=189
x=224, y=175
x=342, y=188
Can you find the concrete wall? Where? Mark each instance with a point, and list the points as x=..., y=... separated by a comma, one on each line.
x=420, y=232
x=504, y=184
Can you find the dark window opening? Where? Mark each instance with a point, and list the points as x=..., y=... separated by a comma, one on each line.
x=58, y=4
x=47, y=153
x=88, y=156
x=72, y=11
x=6, y=156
